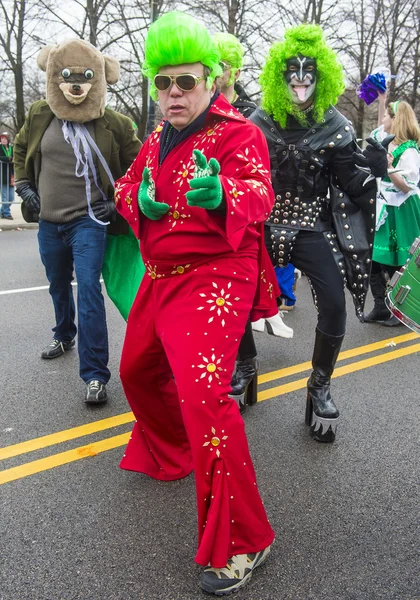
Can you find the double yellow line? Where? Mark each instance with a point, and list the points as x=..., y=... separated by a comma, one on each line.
x=61, y=458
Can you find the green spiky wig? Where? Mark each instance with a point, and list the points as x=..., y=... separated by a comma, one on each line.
x=231, y=52
x=307, y=40
x=177, y=39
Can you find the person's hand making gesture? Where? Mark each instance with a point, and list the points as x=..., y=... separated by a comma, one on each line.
x=206, y=188
x=146, y=197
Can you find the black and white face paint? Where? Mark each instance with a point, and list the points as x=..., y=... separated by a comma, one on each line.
x=300, y=78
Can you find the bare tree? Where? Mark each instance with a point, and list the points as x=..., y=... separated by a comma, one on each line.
x=84, y=19
x=318, y=12
x=400, y=38
x=358, y=42
x=365, y=33
x=17, y=26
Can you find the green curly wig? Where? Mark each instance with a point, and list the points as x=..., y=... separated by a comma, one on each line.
x=307, y=40
x=231, y=52
x=177, y=39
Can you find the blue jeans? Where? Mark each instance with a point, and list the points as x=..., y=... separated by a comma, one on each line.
x=7, y=198
x=79, y=244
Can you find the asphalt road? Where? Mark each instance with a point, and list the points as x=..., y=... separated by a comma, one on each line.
x=73, y=526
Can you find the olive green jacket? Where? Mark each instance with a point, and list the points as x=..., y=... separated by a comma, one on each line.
x=123, y=267
x=114, y=136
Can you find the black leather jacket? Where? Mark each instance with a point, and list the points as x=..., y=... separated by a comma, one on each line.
x=319, y=188
x=243, y=102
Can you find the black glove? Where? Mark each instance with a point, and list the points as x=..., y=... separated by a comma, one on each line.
x=104, y=210
x=29, y=196
x=374, y=157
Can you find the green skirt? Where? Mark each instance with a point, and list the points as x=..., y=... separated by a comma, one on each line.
x=395, y=236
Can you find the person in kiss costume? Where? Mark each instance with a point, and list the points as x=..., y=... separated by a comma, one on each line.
x=324, y=214
x=244, y=380
x=196, y=196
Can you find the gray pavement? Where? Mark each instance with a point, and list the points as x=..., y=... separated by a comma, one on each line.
x=346, y=515
x=18, y=221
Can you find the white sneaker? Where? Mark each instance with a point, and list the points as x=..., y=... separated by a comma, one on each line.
x=275, y=326
x=234, y=575
x=258, y=325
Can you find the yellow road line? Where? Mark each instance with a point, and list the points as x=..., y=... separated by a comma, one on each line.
x=128, y=417
x=57, y=460
x=342, y=356
x=339, y=371
x=62, y=458
x=64, y=436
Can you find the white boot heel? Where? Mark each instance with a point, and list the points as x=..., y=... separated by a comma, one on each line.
x=275, y=326
x=258, y=325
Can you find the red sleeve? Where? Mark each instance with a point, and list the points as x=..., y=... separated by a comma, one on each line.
x=246, y=181
x=127, y=189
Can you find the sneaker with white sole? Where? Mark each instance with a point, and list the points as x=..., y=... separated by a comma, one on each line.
x=96, y=392
x=56, y=348
x=237, y=572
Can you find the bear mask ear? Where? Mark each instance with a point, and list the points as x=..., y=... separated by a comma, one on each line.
x=42, y=58
x=112, y=69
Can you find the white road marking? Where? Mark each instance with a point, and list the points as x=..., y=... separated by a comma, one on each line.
x=32, y=289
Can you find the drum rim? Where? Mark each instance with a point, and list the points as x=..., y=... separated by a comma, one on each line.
x=400, y=316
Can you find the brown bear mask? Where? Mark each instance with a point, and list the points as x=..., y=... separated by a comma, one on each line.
x=77, y=76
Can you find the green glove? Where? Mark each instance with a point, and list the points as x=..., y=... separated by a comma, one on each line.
x=149, y=207
x=207, y=190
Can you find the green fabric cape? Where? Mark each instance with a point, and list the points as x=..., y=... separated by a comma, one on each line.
x=122, y=270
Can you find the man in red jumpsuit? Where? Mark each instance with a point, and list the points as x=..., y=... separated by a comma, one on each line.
x=196, y=196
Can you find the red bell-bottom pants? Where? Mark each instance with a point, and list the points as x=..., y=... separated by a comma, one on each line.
x=179, y=353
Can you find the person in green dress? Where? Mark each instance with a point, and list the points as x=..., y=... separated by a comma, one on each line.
x=398, y=205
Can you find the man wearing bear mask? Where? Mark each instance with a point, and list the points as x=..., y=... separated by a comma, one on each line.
x=324, y=213
x=67, y=155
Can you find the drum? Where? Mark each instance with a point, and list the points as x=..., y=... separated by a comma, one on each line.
x=403, y=299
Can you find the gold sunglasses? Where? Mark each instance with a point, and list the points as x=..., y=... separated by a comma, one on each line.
x=185, y=81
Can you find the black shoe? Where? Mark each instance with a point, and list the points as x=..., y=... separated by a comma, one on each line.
x=9, y=217
x=244, y=383
x=377, y=315
x=96, y=392
x=56, y=348
x=234, y=575
x=392, y=321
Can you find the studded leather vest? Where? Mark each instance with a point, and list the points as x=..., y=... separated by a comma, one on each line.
x=300, y=173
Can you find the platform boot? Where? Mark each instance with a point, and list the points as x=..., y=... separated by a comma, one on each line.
x=321, y=412
x=245, y=382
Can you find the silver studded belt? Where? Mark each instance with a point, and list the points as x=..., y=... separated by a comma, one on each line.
x=290, y=211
